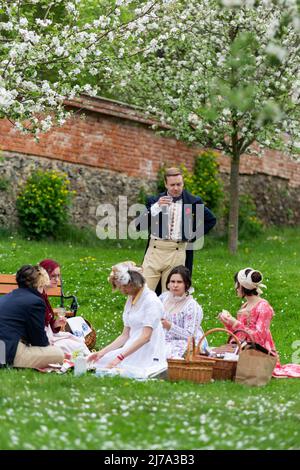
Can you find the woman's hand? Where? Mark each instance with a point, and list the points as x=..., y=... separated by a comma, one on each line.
x=60, y=322
x=94, y=357
x=166, y=324
x=113, y=363
x=226, y=318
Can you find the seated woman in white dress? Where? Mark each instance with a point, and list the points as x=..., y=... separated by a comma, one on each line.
x=141, y=345
x=182, y=314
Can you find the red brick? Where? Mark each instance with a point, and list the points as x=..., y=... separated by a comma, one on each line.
x=116, y=137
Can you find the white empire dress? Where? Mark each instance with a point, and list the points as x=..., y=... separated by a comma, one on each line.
x=146, y=311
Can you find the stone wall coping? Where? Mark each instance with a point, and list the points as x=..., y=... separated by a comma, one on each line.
x=114, y=108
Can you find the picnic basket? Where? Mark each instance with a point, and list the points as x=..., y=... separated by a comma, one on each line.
x=222, y=369
x=188, y=368
x=90, y=339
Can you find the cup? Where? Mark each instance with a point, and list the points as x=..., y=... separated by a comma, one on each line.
x=166, y=204
x=61, y=313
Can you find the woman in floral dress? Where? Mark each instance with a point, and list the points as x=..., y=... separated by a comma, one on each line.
x=255, y=317
x=182, y=313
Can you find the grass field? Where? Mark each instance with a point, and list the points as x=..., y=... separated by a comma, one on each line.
x=39, y=411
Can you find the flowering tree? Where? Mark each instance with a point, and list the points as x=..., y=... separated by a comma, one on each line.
x=224, y=75
x=48, y=51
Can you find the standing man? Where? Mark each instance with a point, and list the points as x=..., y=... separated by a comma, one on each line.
x=175, y=219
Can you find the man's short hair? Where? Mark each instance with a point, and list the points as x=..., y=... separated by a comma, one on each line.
x=172, y=172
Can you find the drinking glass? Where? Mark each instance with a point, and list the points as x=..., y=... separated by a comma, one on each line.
x=61, y=313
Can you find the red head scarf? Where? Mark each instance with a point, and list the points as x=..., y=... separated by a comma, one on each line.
x=49, y=265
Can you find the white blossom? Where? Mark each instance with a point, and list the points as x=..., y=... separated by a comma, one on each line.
x=71, y=7
x=23, y=22
x=59, y=51
x=6, y=98
x=204, y=68
x=68, y=48
x=43, y=23
x=279, y=52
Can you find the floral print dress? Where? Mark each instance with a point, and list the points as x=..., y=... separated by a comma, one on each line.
x=185, y=315
x=256, y=322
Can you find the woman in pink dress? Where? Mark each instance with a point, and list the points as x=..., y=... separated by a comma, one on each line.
x=255, y=317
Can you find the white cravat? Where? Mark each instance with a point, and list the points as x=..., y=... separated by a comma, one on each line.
x=175, y=219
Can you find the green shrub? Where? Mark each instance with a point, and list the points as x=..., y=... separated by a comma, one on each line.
x=43, y=204
x=160, y=182
x=204, y=181
x=4, y=184
x=249, y=224
x=142, y=196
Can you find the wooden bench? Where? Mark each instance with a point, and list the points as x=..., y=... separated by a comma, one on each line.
x=8, y=283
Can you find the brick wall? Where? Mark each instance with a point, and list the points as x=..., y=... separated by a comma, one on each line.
x=116, y=137
x=105, y=139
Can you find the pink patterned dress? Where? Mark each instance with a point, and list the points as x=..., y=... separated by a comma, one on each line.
x=257, y=322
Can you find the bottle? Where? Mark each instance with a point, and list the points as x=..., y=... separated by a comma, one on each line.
x=80, y=365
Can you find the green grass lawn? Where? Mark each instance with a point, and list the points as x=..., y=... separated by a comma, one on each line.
x=39, y=411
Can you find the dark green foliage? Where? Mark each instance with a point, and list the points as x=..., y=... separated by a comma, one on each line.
x=43, y=204
x=4, y=184
x=204, y=181
x=249, y=224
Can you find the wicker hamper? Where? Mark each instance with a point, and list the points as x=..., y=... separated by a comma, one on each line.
x=199, y=371
x=90, y=339
x=222, y=369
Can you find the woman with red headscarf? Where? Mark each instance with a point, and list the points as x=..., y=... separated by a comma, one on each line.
x=66, y=341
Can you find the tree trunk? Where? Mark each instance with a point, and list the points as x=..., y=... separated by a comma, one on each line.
x=233, y=225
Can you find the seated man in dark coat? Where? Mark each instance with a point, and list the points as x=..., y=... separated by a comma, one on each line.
x=22, y=322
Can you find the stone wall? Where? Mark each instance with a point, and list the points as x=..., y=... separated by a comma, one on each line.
x=92, y=186
x=277, y=202
x=112, y=150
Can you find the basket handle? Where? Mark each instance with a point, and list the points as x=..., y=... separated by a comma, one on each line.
x=213, y=330
x=270, y=351
x=240, y=330
x=190, y=350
